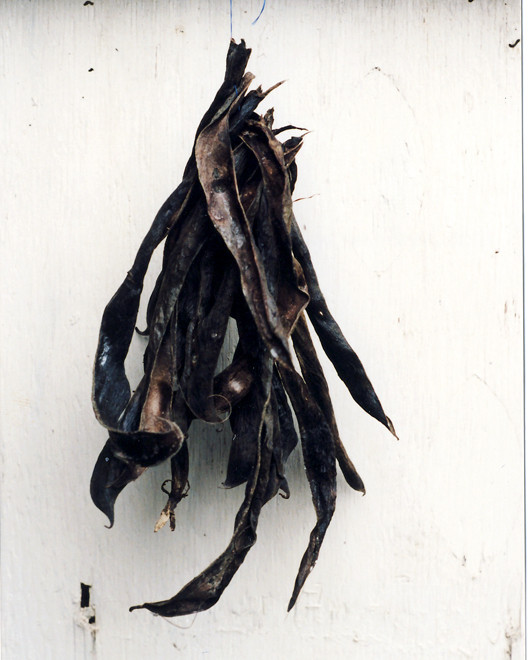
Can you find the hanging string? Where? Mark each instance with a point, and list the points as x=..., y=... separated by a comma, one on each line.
x=231, y=28
x=231, y=15
x=231, y=22
x=260, y=12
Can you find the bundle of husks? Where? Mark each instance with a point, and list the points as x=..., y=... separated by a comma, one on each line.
x=232, y=249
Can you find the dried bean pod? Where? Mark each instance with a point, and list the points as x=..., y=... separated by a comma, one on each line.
x=346, y=362
x=319, y=460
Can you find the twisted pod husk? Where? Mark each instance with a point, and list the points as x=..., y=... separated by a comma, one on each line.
x=232, y=250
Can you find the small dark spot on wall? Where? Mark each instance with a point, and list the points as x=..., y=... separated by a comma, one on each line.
x=514, y=43
x=88, y=2
x=90, y=69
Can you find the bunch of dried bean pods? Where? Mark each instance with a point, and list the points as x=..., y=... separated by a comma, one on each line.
x=232, y=249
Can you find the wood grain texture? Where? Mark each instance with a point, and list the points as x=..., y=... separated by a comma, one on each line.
x=415, y=231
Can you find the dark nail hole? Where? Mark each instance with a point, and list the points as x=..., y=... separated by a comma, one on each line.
x=85, y=595
x=91, y=619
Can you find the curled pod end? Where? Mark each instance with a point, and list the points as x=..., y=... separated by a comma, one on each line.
x=109, y=477
x=226, y=485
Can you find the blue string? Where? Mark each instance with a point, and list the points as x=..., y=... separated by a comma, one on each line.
x=231, y=22
x=260, y=13
x=231, y=26
x=231, y=15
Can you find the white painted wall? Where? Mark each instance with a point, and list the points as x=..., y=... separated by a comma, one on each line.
x=415, y=230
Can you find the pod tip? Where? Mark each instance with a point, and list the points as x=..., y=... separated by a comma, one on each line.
x=391, y=428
